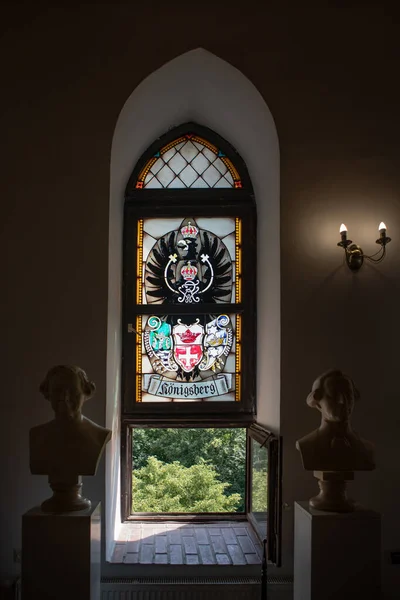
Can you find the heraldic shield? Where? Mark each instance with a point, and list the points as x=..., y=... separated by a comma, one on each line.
x=188, y=345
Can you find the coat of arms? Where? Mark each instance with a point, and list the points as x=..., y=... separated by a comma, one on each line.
x=188, y=349
x=187, y=353
x=188, y=265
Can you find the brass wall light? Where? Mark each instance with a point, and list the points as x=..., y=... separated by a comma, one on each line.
x=354, y=254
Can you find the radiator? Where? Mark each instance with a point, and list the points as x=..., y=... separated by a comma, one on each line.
x=216, y=588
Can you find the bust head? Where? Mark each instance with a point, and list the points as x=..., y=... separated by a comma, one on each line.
x=334, y=451
x=70, y=445
x=334, y=394
x=334, y=446
x=67, y=388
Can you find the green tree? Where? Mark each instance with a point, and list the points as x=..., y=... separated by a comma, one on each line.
x=160, y=487
x=259, y=498
x=224, y=449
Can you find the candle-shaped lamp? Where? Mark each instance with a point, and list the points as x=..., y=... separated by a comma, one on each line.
x=344, y=242
x=383, y=240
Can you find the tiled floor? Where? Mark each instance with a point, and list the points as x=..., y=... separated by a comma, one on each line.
x=222, y=543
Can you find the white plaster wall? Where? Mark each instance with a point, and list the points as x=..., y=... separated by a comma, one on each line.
x=200, y=87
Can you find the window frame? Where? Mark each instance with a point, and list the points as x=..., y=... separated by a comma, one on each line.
x=274, y=489
x=193, y=202
x=255, y=432
x=126, y=496
x=169, y=202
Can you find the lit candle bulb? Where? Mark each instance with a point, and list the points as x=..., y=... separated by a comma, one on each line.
x=343, y=232
x=382, y=231
x=383, y=238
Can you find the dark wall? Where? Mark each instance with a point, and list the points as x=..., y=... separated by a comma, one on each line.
x=329, y=76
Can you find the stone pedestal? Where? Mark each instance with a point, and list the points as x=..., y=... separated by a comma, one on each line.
x=337, y=556
x=61, y=555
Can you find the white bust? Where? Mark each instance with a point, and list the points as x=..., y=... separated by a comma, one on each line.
x=70, y=444
x=334, y=446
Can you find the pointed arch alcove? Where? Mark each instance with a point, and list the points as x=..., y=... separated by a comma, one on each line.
x=200, y=87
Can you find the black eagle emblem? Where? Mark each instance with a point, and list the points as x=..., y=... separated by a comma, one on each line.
x=188, y=265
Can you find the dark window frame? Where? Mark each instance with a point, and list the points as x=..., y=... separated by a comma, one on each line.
x=126, y=497
x=236, y=202
x=273, y=443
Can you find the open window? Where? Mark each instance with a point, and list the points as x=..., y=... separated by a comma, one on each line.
x=189, y=305
x=264, y=488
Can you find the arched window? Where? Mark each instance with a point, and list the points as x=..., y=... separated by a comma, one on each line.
x=189, y=311
x=189, y=282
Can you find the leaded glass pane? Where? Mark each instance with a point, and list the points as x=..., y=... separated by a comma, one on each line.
x=154, y=183
x=157, y=166
x=222, y=183
x=200, y=183
x=189, y=160
x=209, y=155
x=211, y=176
x=223, y=226
x=183, y=358
x=148, y=243
x=157, y=227
x=200, y=163
x=188, y=175
x=176, y=183
x=177, y=163
x=189, y=151
x=218, y=164
x=230, y=244
x=169, y=154
x=229, y=178
x=165, y=175
x=181, y=262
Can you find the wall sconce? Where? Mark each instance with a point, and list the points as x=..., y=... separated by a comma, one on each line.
x=354, y=254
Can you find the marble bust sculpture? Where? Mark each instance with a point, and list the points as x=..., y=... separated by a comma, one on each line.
x=70, y=445
x=334, y=451
x=334, y=446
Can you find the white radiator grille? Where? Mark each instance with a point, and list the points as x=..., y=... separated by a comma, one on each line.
x=186, y=592
x=244, y=588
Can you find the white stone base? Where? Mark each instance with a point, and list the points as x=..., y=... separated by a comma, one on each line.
x=61, y=555
x=337, y=556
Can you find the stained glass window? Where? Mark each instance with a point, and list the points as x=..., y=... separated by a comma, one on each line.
x=189, y=161
x=189, y=260
x=188, y=358
x=189, y=285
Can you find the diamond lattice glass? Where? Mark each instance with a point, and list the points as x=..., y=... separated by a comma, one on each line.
x=189, y=162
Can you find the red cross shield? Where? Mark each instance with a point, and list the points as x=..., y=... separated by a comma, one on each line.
x=188, y=347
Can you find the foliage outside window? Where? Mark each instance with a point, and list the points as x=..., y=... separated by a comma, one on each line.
x=188, y=470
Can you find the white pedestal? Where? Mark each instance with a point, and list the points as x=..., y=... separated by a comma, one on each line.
x=61, y=555
x=337, y=556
